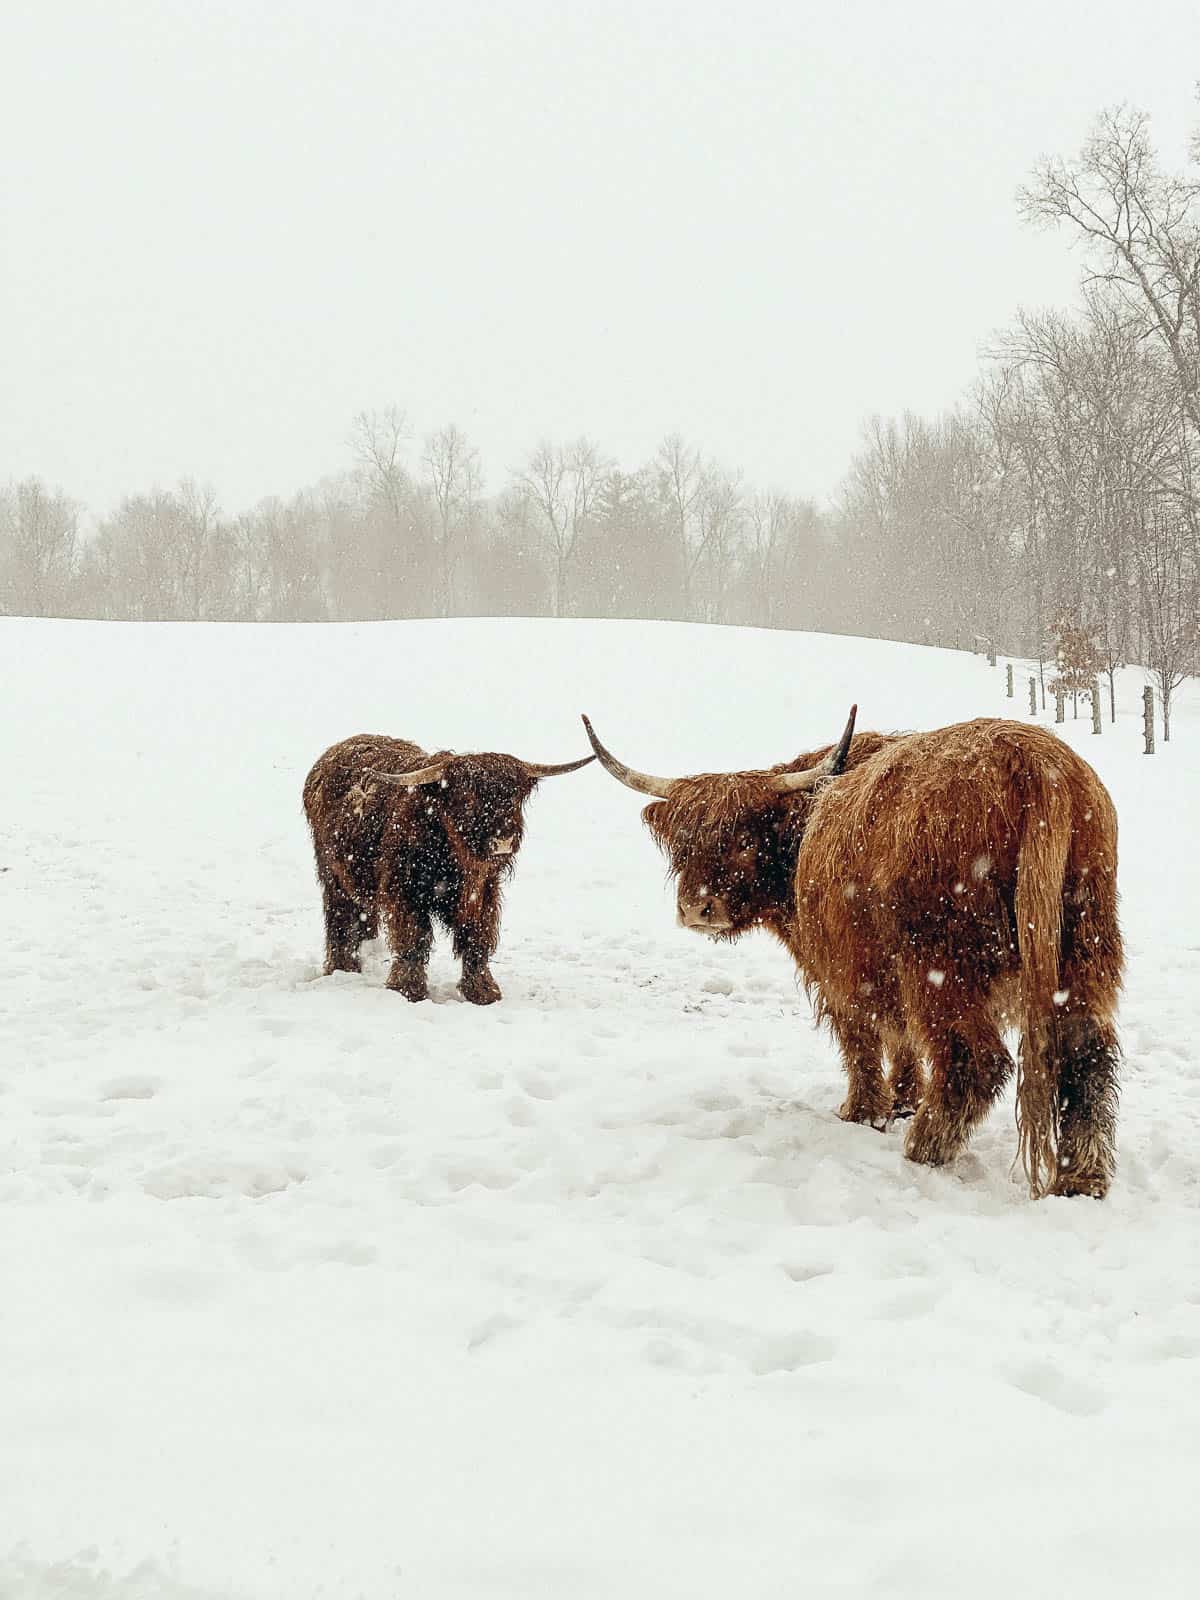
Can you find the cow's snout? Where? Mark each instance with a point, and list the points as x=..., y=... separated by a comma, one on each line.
x=704, y=914
x=504, y=847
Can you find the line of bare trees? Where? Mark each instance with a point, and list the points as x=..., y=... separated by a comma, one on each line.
x=1063, y=493
x=407, y=531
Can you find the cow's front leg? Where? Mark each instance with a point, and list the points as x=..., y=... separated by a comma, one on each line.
x=410, y=934
x=476, y=935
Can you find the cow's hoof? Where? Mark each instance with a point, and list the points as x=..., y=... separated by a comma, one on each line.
x=1069, y=1184
x=862, y=1115
x=409, y=981
x=925, y=1144
x=480, y=988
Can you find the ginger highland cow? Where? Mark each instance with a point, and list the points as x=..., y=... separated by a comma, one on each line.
x=949, y=885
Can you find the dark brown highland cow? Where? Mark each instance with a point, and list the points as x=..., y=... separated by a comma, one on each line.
x=945, y=887
x=416, y=838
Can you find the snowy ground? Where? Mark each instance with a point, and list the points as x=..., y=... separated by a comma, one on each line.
x=308, y=1291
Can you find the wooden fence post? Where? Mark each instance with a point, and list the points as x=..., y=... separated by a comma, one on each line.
x=991, y=655
x=1033, y=697
x=1096, y=728
x=1148, y=719
x=1009, y=690
x=1060, y=695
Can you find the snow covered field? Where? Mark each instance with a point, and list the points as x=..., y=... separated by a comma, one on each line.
x=309, y=1291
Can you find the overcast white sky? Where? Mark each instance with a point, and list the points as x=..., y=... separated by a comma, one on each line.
x=229, y=226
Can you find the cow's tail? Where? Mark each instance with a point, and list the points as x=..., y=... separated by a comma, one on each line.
x=1041, y=869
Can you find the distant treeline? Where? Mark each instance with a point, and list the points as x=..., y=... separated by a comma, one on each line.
x=1063, y=492
x=407, y=531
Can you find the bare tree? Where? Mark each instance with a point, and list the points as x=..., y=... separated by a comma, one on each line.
x=680, y=485
x=452, y=468
x=391, y=570
x=511, y=575
x=768, y=518
x=377, y=439
x=563, y=484
x=38, y=533
x=719, y=513
x=195, y=531
x=1170, y=604
x=1143, y=226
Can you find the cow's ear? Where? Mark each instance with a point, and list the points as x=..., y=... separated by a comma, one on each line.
x=653, y=816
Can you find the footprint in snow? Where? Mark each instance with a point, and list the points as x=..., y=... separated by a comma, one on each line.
x=459, y=1178
x=805, y=1272
x=489, y=1329
x=788, y=1351
x=1058, y=1389
x=1177, y=1347
x=909, y=1303
x=346, y=1253
x=718, y=984
x=130, y=1089
x=538, y=1086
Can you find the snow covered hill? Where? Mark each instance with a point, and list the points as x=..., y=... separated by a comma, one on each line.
x=308, y=1291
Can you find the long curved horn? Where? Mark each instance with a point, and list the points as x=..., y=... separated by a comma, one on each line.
x=796, y=782
x=643, y=782
x=539, y=769
x=409, y=780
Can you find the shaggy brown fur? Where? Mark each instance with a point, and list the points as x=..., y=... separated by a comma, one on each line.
x=732, y=834
x=413, y=856
x=733, y=843
x=947, y=886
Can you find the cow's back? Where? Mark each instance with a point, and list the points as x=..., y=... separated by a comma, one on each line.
x=334, y=774
x=348, y=813
x=862, y=747
x=917, y=849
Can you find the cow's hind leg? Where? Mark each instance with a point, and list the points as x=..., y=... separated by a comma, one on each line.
x=969, y=1066
x=906, y=1080
x=868, y=1098
x=1087, y=1057
x=345, y=929
x=410, y=934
